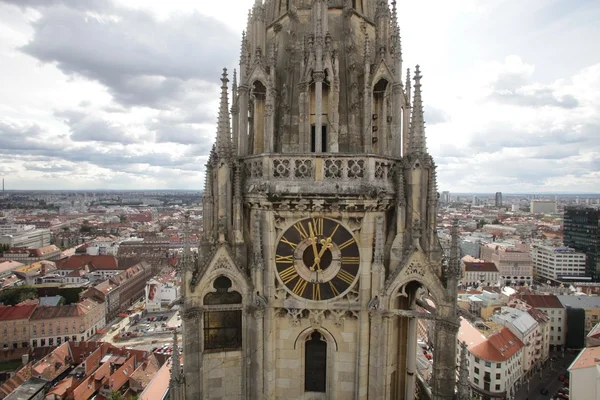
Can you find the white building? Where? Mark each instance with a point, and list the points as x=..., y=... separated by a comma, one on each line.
x=480, y=273
x=555, y=262
x=527, y=329
x=108, y=248
x=584, y=382
x=494, y=362
x=160, y=292
x=542, y=207
x=31, y=238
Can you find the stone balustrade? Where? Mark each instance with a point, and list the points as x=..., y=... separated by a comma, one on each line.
x=330, y=173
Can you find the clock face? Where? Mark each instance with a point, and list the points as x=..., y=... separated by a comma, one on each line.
x=317, y=259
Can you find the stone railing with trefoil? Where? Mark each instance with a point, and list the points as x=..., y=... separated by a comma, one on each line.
x=328, y=173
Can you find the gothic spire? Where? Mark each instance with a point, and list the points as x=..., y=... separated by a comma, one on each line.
x=408, y=85
x=176, y=381
x=224, y=145
x=463, y=374
x=417, y=143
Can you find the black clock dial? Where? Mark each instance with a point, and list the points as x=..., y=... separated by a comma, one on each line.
x=317, y=259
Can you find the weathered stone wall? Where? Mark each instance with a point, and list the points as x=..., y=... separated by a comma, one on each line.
x=223, y=375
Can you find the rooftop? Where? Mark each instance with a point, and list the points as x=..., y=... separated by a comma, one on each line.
x=498, y=347
x=580, y=301
x=480, y=267
x=16, y=312
x=541, y=300
x=28, y=389
x=589, y=357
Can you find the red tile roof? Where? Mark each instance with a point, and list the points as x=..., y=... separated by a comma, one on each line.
x=498, y=347
x=70, y=310
x=97, y=262
x=480, y=267
x=541, y=300
x=24, y=311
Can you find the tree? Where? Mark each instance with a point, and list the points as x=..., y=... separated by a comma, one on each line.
x=114, y=395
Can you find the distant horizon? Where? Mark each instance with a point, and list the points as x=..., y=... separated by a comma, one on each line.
x=202, y=190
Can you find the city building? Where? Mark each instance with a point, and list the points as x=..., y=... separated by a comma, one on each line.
x=29, y=255
x=527, y=329
x=589, y=304
x=161, y=292
x=480, y=274
x=14, y=325
x=542, y=207
x=584, y=375
x=132, y=284
x=445, y=197
x=51, y=326
x=495, y=362
x=106, y=292
x=34, y=238
x=555, y=310
x=582, y=233
x=7, y=267
x=498, y=199
x=316, y=157
x=555, y=263
x=513, y=262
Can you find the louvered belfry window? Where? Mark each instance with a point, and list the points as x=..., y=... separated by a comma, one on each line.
x=223, y=327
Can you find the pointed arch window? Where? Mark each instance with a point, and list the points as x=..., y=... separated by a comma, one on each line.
x=223, y=324
x=315, y=364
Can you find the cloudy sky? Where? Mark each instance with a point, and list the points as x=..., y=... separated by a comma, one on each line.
x=121, y=94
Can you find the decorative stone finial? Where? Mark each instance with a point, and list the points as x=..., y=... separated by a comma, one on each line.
x=224, y=142
x=417, y=142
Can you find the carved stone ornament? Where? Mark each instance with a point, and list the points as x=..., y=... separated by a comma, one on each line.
x=223, y=263
x=192, y=313
x=316, y=317
x=355, y=223
x=279, y=222
x=374, y=304
x=295, y=314
x=415, y=268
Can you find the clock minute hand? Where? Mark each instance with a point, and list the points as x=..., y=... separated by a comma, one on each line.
x=317, y=257
x=326, y=243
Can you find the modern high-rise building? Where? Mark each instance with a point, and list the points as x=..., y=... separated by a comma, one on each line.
x=319, y=217
x=445, y=197
x=498, y=202
x=582, y=233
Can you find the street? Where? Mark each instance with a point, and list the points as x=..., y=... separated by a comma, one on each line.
x=549, y=378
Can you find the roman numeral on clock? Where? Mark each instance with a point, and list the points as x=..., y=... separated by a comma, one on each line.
x=346, y=243
x=284, y=259
x=299, y=287
x=346, y=276
x=318, y=226
x=350, y=260
x=288, y=274
x=316, y=291
x=301, y=230
x=284, y=240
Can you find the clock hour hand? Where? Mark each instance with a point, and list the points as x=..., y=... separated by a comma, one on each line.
x=313, y=241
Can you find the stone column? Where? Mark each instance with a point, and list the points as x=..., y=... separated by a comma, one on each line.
x=269, y=124
x=444, y=361
x=318, y=76
x=243, y=121
x=397, y=122
x=411, y=359
x=376, y=361
x=192, y=366
x=258, y=382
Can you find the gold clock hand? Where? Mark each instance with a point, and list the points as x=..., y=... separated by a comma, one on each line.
x=326, y=243
x=313, y=240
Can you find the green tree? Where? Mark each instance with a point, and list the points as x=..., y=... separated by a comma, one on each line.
x=116, y=396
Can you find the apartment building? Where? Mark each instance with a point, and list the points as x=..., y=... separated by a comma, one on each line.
x=480, y=274
x=50, y=326
x=494, y=361
x=528, y=331
x=29, y=255
x=513, y=262
x=34, y=238
x=14, y=325
x=554, y=309
x=584, y=375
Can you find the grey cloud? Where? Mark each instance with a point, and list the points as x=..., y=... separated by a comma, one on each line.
x=538, y=98
x=85, y=128
x=50, y=168
x=124, y=51
x=181, y=133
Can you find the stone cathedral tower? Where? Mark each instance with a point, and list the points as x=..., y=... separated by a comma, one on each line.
x=320, y=203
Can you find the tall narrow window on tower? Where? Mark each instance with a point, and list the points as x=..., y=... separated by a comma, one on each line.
x=222, y=329
x=259, y=96
x=380, y=123
x=315, y=365
x=313, y=143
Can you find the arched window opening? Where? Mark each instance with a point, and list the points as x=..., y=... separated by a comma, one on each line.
x=258, y=97
x=223, y=329
x=381, y=122
x=315, y=364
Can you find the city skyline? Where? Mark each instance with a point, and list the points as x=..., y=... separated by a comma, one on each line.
x=137, y=98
